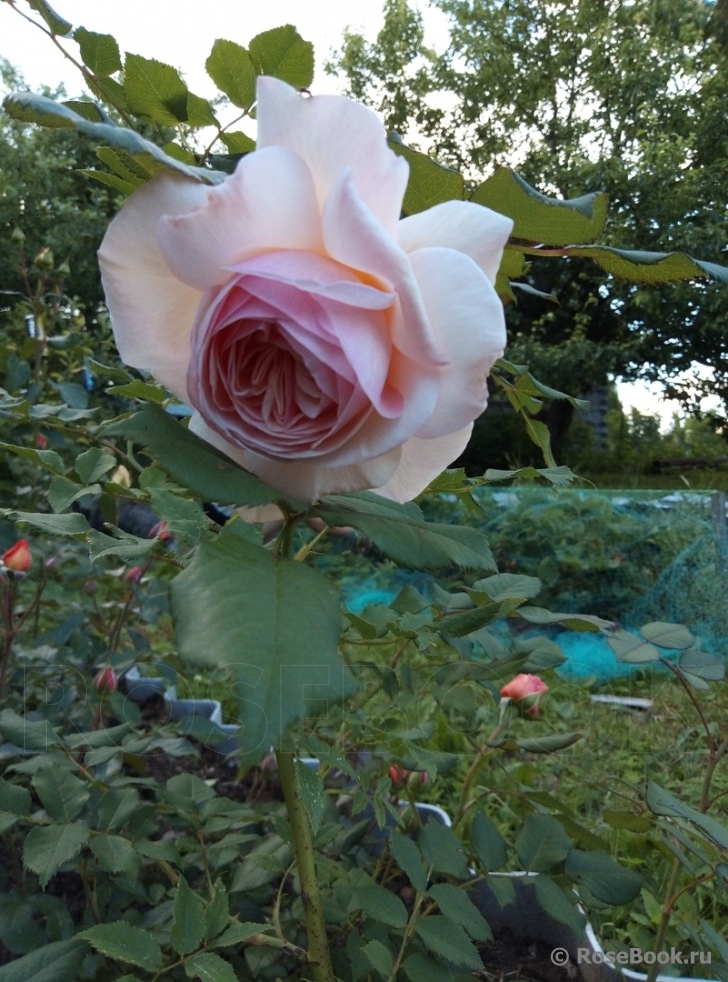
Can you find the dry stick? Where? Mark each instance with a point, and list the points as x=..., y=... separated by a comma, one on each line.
x=318, y=945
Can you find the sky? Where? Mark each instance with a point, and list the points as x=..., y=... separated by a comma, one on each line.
x=182, y=32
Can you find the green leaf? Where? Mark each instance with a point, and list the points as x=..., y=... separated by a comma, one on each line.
x=89, y=110
x=199, y=113
x=27, y=734
x=210, y=968
x=63, y=795
x=445, y=938
x=402, y=534
x=409, y=860
x=230, y=68
x=488, y=843
x=155, y=90
x=556, y=904
x=380, y=958
x=31, y=108
x=603, y=876
x=188, y=928
x=57, y=962
x=420, y=968
x=378, y=903
x=442, y=850
x=276, y=620
x=702, y=665
x=62, y=493
x=457, y=905
x=140, y=390
x=311, y=789
x=661, y=802
x=575, y=622
x=542, y=843
x=57, y=24
x=99, y=52
x=547, y=744
x=459, y=623
x=115, y=854
x=237, y=142
x=284, y=54
x=236, y=934
x=503, y=586
x=538, y=218
x=429, y=182
x=650, y=267
x=48, y=847
x=126, y=546
x=628, y=647
x=46, y=458
x=667, y=635
x=217, y=912
x=125, y=943
x=195, y=463
x=14, y=798
x=93, y=464
x=183, y=517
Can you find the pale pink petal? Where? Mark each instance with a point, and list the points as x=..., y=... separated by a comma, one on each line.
x=260, y=514
x=330, y=133
x=301, y=479
x=268, y=203
x=353, y=236
x=467, y=319
x=151, y=311
x=422, y=461
x=473, y=229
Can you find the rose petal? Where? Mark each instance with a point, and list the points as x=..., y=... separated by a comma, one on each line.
x=353, y=236
x=301, y=479
x=269, y=202
x=330, y=132
x=151, y=311
x=421, y=462
x=467, y=318
x=473, y=229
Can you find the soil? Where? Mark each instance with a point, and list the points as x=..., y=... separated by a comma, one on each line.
x=511, y=959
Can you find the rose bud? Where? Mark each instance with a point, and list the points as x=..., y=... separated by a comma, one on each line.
x=417, y=779
x=398, y=775
x=525, y=691
x=41, y=441
x=17, y=558
x=134, y=575
x=121, y=476
x=324, y=344
x=159, y=531
x=105, y=680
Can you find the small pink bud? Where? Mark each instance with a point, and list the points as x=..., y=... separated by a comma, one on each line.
x=398, y=775
x=134, y=575
x=105, y=680
x=159, y=531
x=41, y=441
x=17, y=558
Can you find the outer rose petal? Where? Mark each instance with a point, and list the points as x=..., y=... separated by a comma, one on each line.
x=421, y=462
x=473, y=229
x=307, y=481
x=151, y=311
x=467, y=319
x=269, y=202
x=331, y=133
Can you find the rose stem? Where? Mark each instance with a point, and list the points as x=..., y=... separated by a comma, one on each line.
x=318, y=946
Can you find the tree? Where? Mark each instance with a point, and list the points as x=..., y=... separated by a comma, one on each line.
x=628, y=97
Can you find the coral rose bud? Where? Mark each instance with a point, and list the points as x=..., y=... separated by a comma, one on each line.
x=105, y=680
x=134, y=575
x=17, y=558
x=398, y=775
x=159, y=531
x=41, y=441
x=525, y=691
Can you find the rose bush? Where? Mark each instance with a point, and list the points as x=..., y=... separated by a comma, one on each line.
x=325, y=344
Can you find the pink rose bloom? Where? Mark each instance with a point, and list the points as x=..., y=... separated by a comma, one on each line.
x=526, y=691
x=325, y=345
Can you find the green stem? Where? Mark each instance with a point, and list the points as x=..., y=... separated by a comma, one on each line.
x=487, y=748
x=664, y=920
x=318, y=946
